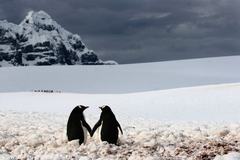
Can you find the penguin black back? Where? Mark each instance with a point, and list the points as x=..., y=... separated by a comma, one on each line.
x=76, y=125
x=110, y=125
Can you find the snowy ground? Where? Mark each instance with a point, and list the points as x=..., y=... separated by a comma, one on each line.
x=160, y=118
x=122, y=78
x=205, y=103
x=187, y=123
x=42, y=136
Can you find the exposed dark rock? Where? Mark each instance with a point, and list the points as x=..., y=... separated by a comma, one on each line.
x=89, y=58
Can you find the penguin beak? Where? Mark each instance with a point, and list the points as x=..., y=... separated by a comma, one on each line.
x=85, y=107
x=101, y=108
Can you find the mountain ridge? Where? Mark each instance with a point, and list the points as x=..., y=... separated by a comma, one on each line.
x=39, y=40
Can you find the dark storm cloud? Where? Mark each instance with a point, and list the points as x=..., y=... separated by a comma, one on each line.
x=143, y=30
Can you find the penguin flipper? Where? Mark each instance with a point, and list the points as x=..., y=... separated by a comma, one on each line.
x=119, y=127
x=96, y=126
x=85, y=124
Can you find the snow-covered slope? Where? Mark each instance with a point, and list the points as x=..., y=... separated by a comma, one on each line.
x=122, y=78
x=43, y=136
x=39, y=40
x=206, y=103
x=193, y=123
x=169, y=124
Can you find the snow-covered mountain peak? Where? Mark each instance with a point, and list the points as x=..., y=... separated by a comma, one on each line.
x=39, y=40
x=41, y=21
x=39, y=17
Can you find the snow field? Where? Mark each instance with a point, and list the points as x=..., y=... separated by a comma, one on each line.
x=206, y=103
x=114, y=79
x=189, y=123
x=31, y=135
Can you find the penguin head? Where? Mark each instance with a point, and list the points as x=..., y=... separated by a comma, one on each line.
x=105, y=108
x=80, y=108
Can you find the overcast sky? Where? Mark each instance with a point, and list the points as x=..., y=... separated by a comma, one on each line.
x=131, y=31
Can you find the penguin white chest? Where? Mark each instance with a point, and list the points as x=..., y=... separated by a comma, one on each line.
x=99, y=133
x=84, y=133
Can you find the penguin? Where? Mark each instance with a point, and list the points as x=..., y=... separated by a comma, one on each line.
x=77, y=127
x=109, y=126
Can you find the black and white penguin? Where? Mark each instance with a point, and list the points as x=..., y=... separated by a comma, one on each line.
x=109, y=126
x=77, y=127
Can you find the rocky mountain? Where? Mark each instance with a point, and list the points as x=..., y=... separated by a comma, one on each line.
x=39, y=40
